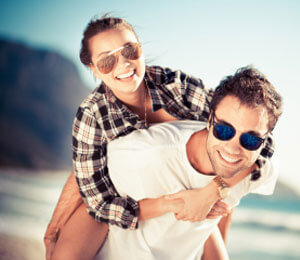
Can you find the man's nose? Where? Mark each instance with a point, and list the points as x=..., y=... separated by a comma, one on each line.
x=233, y=145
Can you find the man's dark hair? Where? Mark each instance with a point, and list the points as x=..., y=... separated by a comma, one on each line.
x=253, y=89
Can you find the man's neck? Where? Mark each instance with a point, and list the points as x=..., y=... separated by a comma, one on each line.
x=240, y=176
x=197, y=153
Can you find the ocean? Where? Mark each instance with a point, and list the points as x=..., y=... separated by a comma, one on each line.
x=262, y=227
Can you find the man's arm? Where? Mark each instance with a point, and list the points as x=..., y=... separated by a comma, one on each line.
x=198, y=203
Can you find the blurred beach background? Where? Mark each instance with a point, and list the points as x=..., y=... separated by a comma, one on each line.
x=42, y=83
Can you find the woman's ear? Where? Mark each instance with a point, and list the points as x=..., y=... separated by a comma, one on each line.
x=95, y=71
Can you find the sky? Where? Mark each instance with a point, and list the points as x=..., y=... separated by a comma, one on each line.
x=207, y=39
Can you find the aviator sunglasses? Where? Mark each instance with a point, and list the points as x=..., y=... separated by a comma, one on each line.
x=130, y=51
x=225, y=132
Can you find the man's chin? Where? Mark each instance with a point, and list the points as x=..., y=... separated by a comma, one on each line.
x=227, y=175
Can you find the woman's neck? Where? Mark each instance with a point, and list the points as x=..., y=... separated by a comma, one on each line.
x=135, y=101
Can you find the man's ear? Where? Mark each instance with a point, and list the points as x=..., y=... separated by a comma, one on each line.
x=209, y=122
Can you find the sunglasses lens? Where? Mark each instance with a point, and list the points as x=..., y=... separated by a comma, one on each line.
x=223, y=132
x=131, y=51
x=106, y=64
x=250, y=142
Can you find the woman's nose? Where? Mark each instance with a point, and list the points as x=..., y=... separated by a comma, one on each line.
x=123, y=61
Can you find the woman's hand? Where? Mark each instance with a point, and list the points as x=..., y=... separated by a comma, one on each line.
x=198, y=203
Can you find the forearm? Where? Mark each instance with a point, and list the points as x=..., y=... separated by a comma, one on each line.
x=152, y=208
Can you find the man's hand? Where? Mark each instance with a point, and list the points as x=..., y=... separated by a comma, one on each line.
x=220, y=209
x=197, y=203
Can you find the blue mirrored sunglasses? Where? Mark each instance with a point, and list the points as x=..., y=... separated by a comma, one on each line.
x=225, y=132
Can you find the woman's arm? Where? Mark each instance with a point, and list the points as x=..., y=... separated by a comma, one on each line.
x=152, y=208
x=90, y=166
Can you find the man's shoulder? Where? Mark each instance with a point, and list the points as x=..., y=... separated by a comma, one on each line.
x=177, y=127
x=160, y=135
x=266, y=183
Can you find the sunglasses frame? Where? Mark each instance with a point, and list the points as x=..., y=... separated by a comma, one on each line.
x=214, y=123
x=114, y=52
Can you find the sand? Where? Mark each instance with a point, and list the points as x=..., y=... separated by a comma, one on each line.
x=17, y=248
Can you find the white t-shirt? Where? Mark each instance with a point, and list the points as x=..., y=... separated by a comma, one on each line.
x=150, y=163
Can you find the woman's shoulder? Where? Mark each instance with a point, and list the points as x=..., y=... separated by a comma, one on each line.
x=97, y=98
x=169, y=77
x=162, y=75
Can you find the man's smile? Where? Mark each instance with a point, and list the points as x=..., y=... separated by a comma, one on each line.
x=228, y=159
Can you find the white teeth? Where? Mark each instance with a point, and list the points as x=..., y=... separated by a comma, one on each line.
x=230, y=160
x=123, y=76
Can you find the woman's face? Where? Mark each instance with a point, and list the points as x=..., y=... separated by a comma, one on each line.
x=126, y=75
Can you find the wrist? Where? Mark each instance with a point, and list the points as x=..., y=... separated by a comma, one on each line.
x=164, y=205
x=214, y=191
x=222, y=187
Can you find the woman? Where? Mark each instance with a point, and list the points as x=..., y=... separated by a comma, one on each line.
x=131, y=96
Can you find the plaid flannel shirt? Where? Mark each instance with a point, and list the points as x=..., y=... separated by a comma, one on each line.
x=102, y=117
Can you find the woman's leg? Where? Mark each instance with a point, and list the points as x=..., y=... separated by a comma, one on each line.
x=80, y=238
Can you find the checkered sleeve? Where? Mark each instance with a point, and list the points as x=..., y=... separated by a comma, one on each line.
x=90, y=166
x=197, y=98
x=265, y=154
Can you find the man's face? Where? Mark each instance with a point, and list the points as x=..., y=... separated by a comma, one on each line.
x=229, y=157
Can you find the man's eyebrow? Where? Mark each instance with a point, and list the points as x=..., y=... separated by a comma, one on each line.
x=220, y=121
x=255, y=133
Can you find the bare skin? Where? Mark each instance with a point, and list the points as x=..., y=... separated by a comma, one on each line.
x=70, y=245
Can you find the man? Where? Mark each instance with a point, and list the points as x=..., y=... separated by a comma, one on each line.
x=186, y=155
